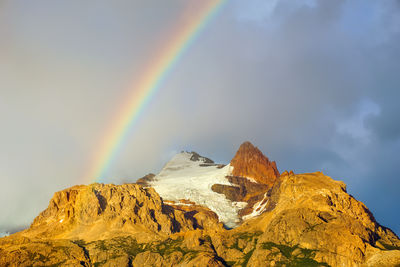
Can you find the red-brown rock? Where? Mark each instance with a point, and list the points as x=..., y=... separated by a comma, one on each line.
x=250, y=162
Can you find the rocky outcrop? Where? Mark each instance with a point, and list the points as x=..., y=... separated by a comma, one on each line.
x=250, y=162
x=242, y=190
x=84, y=212
x=146, y=180
x=196, y=157
x=251, y=178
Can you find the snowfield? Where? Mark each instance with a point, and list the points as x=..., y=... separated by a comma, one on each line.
x=183, y=178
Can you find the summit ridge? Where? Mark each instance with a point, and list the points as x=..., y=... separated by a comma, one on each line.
x=250, y=162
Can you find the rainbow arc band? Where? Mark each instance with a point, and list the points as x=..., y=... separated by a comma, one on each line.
x=151, y=81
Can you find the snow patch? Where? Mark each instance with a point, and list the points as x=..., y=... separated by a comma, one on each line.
x=181, y=204
x=4, y=234
x=251, y=179
x=182, y=178
x=258, y=208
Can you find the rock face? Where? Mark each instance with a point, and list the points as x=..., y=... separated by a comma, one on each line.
x=83, y=212
x=250, y=162
x=251, y=178
x=315, y=213
x=301, y=220
x=242, y=190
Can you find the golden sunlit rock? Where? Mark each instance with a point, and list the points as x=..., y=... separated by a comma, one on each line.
x=304, y=220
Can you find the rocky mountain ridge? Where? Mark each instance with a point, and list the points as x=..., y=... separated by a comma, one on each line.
x=298, y=220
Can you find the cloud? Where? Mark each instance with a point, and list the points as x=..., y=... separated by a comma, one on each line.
x=355, y=124
x=314, y=84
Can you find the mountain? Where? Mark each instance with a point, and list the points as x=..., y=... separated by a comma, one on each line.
x=199, y=213
x=250, y=162
x=234, y=192
x=188, y=176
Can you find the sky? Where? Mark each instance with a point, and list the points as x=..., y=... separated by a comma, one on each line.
x=314, y=84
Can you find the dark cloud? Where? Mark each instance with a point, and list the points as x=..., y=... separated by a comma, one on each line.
x=314, y=84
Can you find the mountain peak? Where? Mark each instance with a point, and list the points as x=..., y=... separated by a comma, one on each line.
x=248, y=146
x=250, y=162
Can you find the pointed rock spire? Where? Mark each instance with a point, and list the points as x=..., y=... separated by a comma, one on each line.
x=250, y=162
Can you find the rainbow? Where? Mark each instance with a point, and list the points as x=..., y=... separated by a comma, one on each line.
x=150, y=82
